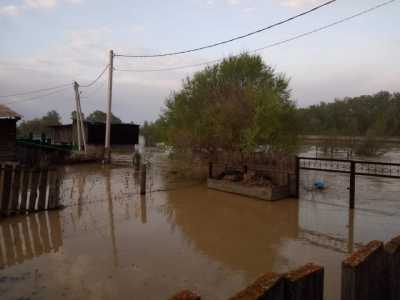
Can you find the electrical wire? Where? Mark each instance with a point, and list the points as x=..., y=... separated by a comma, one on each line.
x=296, y=37
x=35, y=91
x=97, y=78
x=38, y=97
x=232, y=39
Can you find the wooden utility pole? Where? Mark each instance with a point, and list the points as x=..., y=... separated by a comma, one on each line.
x=79, y=118
x=107, y=148
x=78, y=123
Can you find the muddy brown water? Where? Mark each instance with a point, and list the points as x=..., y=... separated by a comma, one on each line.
x=111, y=243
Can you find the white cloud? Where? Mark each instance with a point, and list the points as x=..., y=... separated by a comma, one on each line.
x=10, y=10
x=40, y=3
x=233, y=2
x=15, y=10
x=298, y=3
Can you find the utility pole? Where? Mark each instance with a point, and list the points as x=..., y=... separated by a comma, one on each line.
x=107, y=148
x=81, y=120
x=78, y=123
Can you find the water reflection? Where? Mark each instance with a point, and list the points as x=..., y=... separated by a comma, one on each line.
x=118, y=244
x=26, y=237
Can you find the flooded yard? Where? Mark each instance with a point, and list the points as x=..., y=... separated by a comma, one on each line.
x=109, y=242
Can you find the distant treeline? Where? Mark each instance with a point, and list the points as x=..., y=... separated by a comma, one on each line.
x=368, y=115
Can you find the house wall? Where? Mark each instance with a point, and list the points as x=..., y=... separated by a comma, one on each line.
x=8, y=135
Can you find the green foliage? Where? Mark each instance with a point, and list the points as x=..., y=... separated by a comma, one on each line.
x=153, y=132
x=101, y=117
x=234, y=106
x=369, y=115
x=38, y=126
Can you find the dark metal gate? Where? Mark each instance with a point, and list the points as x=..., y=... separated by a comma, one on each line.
x=352, y=167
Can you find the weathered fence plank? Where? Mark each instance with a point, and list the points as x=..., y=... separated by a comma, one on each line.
x=42, y=190
x=392, y=261
x=33, y=190
x=306, y=282
x=7, y=242
x=363, y=273
x=270, y=286
x=5, y=200
x=15, y=190
x=185, y=295
x=25, y=177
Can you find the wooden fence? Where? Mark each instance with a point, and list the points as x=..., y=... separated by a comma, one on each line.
x=370, y=273
x=24, y=190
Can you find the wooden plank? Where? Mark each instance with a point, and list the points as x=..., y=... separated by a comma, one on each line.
x=363, y=273
x=15, y=190
x=306, y=282
x=52, y=190
x=270, y=286
x=5, y=205
x=42, y=189
x=33, y=190
x=56, y=194
x=1, y=185
x=185, y=295
x=2, y=255
x=392, y=261
x=25, y=178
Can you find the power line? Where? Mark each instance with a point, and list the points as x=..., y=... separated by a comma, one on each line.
x=232, y=39
x=34, y=91
x=38, y=97
x=296, y=37
x=97, y=78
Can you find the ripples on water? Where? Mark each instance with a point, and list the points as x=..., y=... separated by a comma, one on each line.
x=110, y=242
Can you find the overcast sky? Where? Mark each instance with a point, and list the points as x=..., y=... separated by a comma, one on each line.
x=44, y=43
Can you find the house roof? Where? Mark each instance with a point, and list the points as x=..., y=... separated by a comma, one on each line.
x=7, y=113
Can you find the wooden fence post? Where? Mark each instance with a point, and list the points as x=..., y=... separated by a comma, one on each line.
x=15, y=190
x=185, y=295
x=143, y=180
x=24, y=189
x=270, y=286
x=363, y=273
x=42, y=189
x=7, y=180
x=305, y=283
x=297, y=172
x=210, y=170
x=352, y=188
x=33, y=190
x=392, y=262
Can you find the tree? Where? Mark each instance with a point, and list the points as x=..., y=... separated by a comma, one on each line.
x=39, y=125
x=235, y=106
x=101, y=117
x=74, y=115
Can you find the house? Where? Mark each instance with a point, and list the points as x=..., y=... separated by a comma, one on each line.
x=8, y=133
x=122, y=135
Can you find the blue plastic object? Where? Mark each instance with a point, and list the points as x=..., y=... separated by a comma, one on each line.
x=319, y=185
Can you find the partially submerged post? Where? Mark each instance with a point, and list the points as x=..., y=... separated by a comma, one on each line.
x=307, y=282
x=392, y=261
x=143, y=179
x=363, y=273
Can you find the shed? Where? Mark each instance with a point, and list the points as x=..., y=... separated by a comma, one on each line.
x=8, y=133
x=121, y=134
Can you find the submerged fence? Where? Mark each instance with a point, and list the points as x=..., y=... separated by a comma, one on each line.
x=24, y=190
x=370, y=273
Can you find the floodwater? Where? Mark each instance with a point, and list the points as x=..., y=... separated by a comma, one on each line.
x=111, y=243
